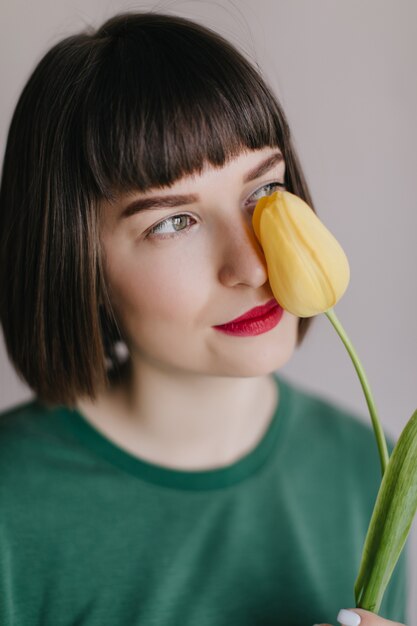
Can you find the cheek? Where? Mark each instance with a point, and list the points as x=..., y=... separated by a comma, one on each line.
x=291, y=329
x=165, y=287
x=282, y=341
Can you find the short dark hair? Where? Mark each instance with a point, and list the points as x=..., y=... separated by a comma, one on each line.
x=138, y=103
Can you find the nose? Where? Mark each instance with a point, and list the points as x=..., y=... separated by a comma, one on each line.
x=242, y=259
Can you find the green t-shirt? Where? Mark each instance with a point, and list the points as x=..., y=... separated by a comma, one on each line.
x=91, y=535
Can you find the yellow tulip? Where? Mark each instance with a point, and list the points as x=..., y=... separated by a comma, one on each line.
x=307, y=268
x=308, y=273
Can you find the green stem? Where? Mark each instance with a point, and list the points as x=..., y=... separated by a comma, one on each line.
x=379, y=433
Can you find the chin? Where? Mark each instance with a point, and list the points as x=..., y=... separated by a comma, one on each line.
x=255, y=360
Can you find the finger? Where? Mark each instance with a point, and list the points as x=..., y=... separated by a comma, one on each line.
x=366, y=618
x=354, y=617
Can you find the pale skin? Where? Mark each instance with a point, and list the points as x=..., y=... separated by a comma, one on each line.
x=193, y=398
x=369, y=619
x=196, y=398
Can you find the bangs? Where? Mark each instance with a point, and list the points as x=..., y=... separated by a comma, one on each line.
x=164, y=100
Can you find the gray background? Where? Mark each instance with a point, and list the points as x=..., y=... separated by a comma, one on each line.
x=345, y=73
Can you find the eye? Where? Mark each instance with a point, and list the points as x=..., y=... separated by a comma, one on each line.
x=171, y=226
x=265, y=190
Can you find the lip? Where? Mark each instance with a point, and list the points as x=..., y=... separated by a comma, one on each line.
x=258, y=320
x=258, y=311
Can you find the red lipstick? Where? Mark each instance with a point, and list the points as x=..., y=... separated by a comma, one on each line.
x=259, y=320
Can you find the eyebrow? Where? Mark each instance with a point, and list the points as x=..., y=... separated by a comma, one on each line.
x=174, y=200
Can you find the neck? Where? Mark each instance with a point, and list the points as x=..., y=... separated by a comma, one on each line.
x=183, y=420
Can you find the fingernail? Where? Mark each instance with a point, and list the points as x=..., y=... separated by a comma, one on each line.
x=348, y=618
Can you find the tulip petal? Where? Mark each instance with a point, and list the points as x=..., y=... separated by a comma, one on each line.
x=308, y=270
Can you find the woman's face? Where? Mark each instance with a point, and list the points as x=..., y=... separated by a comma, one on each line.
x=184, y=259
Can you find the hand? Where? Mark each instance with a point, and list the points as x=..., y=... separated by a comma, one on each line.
x=354, y=617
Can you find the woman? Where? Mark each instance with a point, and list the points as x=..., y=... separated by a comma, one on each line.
x=186, y=482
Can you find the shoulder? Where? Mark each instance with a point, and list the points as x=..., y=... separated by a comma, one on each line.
x=330, y=418
x=29, y=432
x=24, y=419
x=19, y=421
x=340, y=458
x=331, y=435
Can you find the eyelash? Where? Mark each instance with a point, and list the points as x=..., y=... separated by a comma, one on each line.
x=153, y=232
